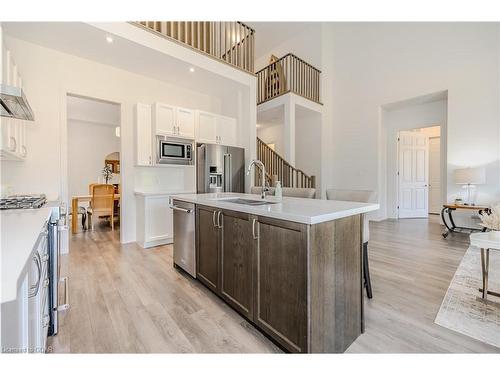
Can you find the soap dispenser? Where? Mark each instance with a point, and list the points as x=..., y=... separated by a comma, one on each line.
x=278, y=191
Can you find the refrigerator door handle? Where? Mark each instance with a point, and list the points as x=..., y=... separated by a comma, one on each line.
x=228, y=183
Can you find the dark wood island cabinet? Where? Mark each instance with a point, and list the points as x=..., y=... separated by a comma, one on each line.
x=299, y=283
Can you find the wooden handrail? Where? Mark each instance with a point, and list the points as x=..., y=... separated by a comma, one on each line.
x=288, y=74
x=278, y=169
x=229, y=42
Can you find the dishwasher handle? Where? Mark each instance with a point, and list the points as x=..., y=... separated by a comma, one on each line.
x=186, y=210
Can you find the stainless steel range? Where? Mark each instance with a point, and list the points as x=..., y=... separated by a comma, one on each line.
x=56, y=225
x=22, y=201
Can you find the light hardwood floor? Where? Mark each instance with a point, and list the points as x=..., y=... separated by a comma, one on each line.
x=127, y=299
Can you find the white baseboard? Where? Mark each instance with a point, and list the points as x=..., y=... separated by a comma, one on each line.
x=163, y=241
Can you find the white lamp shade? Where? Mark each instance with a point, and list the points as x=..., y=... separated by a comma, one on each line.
x=472, y=176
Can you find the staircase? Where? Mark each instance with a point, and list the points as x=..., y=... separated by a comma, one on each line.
x=278, y=169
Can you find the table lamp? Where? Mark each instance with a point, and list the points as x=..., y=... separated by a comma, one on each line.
x=470, y=177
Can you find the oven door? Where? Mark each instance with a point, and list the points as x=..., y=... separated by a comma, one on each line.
x=171, y=152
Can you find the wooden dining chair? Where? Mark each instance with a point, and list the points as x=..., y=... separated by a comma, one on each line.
x=101, y=203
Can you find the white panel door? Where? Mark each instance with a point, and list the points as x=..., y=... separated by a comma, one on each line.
x=185, y=122
x=434, y=175
x=226, y=131
x=164, y=119
x=413, y=175
x=206, y=131
x=143, y=135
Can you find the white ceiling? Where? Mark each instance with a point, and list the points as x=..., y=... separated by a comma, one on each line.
x=271, y=34
x=94, y=111
x=83, y=40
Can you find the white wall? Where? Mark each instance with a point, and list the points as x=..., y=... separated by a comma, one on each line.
x=49, y=75
x=88, y=145
x=308, y=144
x=272, y=134
x=408, y=117
x=373, y=64
x=306, y=45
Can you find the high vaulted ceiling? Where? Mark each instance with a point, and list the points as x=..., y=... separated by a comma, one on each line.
x=271, y=34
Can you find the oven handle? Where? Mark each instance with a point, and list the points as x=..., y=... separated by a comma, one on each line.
x=65, y=305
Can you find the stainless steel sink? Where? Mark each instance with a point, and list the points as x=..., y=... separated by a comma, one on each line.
x=248, y=202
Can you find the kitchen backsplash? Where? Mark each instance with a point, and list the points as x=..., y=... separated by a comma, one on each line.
x=165, y=178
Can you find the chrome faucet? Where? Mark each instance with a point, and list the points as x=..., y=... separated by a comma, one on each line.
x=257, y=162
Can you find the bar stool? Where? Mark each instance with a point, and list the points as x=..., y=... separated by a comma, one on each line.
x=364, y=196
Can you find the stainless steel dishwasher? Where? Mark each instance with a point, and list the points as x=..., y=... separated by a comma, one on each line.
x=184, y=236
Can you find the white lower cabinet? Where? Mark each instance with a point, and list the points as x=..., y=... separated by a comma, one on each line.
x=154, y=220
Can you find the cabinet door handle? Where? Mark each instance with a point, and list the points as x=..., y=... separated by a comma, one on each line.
x=45, y=320
x=213, y=218
x=24, y=151
x=219, y=221
x=255, y=237
x=34, y=288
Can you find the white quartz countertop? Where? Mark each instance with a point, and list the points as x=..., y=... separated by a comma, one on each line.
x=20, y=230
x=300, y=210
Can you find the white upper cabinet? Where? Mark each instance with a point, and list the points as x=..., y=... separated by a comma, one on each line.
x=173, y=121
x=206, y=127
x=144, y=135
x=226, y=130
x=212, y=128
x=164, y=119
x=185, y=122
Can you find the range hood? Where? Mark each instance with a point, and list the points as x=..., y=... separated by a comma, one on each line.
x=13, y=103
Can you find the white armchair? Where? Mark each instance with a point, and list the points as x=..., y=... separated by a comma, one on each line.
x=365, y=196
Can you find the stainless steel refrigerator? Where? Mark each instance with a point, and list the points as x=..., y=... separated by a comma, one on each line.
x=219, y=169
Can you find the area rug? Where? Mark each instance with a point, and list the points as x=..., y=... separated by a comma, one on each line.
x=463, y=310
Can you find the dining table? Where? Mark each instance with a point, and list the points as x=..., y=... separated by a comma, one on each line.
x=75, y=201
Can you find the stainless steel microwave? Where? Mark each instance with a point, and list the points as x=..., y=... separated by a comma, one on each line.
x=174, y=151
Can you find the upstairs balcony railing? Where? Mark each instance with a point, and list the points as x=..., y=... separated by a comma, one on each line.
x=288, y=74
x=231, y=42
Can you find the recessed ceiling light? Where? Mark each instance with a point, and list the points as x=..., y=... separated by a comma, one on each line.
x=191, y=70
x=109, y=39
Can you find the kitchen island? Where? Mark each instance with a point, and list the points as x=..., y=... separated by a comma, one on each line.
x=291, y=267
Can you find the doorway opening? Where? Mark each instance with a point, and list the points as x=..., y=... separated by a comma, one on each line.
x=419, y=172
x=94, y=179
x=414, y=156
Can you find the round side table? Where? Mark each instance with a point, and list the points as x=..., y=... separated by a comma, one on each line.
x=485, y=241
